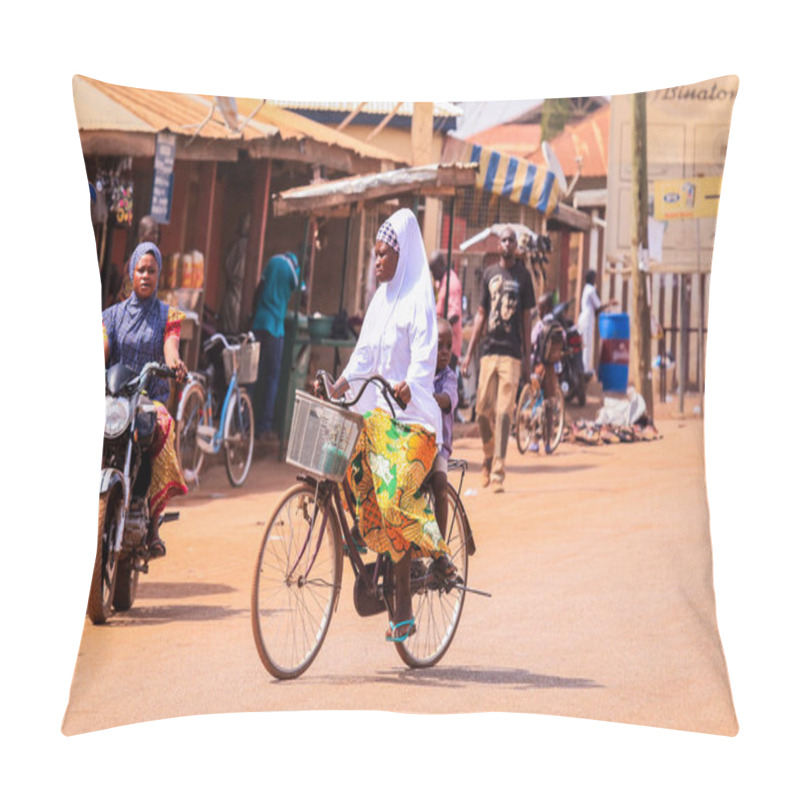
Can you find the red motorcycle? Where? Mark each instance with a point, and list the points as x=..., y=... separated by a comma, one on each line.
x=570, y=370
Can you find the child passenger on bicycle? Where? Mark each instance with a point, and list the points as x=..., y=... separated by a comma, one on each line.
x=543, y=372
x=445, y=392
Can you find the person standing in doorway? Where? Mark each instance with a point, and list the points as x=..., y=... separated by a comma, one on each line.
x=507, y=301
x=281, y=277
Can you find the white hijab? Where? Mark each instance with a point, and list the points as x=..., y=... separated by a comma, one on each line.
x=399, y=336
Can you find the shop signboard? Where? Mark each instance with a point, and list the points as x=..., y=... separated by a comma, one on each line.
x=163, y=175
x=686, y=198
x=687, y=139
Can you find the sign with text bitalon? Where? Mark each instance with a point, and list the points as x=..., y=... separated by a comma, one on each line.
x=687, y=198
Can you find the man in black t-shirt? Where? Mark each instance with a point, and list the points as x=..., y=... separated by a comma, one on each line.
x=505, y=311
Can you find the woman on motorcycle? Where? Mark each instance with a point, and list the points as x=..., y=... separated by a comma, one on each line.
x=398, y=340
x=136, y=331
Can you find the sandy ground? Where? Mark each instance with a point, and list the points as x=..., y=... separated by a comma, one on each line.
x=597, y=558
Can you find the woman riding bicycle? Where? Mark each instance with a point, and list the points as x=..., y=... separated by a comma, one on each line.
x=398, y=340
x=136, y=331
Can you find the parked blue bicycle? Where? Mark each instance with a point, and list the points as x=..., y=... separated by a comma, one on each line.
x=213, y=415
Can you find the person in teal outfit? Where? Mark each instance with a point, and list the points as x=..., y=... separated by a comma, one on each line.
x=281, y=277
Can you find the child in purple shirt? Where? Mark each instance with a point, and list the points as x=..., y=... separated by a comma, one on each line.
x=445, y=392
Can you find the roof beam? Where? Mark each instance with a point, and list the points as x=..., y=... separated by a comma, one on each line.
x=384, y=122
x=350, y=117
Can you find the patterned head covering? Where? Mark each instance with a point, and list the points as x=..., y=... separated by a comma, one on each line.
x=387, y=233
x=141, y=250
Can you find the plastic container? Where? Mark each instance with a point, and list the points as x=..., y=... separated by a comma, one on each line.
x=323, y=437
x=615, y=335
x=198, y=269
x=320, y=327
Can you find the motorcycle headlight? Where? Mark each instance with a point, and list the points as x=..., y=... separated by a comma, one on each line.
x=118, y=415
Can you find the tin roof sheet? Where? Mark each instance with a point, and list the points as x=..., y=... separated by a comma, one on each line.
x=441, y=109
x=103, y=106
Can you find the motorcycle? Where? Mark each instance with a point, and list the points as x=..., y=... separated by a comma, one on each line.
x=124, y=515
x=571, y=376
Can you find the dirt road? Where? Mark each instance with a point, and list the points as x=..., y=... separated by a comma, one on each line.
x=597, y=559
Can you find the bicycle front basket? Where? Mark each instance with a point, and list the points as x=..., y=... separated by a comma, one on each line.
x=323, y=437
x=248, y=362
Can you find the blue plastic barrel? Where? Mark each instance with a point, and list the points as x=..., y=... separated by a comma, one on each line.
x=615, y=336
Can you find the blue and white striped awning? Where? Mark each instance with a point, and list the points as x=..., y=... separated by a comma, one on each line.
x=514, y=178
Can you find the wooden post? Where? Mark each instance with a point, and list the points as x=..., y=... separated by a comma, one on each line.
x=255, y=242
x=640, y=358
x=449, y=258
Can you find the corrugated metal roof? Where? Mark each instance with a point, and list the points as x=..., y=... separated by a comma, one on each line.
x=103, y=106
x=293, y=125
x=429, y=178
x=381, y=107
x=106, y=107
x=588, y=139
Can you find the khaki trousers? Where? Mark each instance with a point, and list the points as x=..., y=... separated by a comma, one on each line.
x=497, y=392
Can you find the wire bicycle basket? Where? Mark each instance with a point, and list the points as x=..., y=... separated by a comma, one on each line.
x=243, y=357
x=323, y=437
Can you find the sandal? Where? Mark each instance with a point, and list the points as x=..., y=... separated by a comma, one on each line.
x=390, y=634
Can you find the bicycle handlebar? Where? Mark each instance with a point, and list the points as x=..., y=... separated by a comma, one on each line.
x=386, y=390
x=221, y=337
x=157, y=369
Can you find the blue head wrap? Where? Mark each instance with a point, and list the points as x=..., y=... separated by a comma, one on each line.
x=141, y=250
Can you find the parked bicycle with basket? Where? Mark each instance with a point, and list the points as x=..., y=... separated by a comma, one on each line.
x=215, y=415
x=298, y=574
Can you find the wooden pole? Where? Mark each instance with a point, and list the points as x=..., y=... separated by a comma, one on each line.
x=640, y=358
x=449, y=258
x=258, y=228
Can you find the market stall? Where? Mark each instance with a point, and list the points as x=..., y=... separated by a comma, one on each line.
x=345, y=197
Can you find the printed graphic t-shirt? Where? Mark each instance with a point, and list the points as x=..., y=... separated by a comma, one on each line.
x=507, y=293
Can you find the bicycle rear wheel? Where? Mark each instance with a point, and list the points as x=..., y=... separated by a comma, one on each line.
x=525, y=422
x=239, y=437
x=297, y=579
x=555, y=410
x=437, y=605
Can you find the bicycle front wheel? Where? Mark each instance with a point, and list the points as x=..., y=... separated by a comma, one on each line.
x=525, y=423
x=437, y=606
x=190, y=416
x=239, y=437
x=296, y=582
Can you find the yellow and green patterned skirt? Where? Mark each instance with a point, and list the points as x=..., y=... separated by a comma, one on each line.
x=167, y=479
x=390, y=462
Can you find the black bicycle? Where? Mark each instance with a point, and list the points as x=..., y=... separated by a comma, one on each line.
x=298, y=575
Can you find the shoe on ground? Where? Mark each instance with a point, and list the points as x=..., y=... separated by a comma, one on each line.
x=484, y=476
x=497, y=486
x=534, y=448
